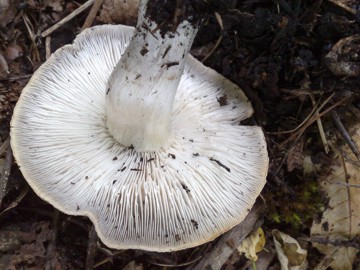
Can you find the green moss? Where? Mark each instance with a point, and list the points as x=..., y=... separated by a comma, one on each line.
x=295, y=203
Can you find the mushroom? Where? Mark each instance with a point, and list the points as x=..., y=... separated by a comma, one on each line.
x=123, y=126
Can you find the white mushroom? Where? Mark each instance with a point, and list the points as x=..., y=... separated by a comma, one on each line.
x=153, y=154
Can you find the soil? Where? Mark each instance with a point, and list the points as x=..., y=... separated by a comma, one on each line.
x=276, y=51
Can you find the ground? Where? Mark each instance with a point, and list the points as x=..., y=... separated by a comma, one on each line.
x=297, y=61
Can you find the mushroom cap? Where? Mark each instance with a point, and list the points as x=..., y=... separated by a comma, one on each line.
x=179, y=197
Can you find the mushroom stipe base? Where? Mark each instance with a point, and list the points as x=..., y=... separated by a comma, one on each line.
x=185, y=194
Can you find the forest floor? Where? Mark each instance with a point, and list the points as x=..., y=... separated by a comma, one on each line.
x=299, y=64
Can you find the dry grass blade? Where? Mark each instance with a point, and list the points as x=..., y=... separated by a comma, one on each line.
x=108, y=259
x=30, y=27
x=320, y=126
x=300, y=125
x=295, y=135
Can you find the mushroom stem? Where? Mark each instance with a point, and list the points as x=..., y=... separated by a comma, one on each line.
x=141, y=89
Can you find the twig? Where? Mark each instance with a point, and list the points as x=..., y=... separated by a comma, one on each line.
x=312, y=120
x=92, y=14
x=345, y=184
x=109, y=258
x=91, y=249
x=295, y=136
x=16, y=78
x=18, y=199
x=355, y=243
x=67, y=18
x=223, y=249
x=349, y=195
x=218, y=18
x=345, y=134
x=303, y=122
x=50, y=252
x=5, y=173
x=320, y=127
x=106, y=260
x=32, y=35
x=29, y=27
x=300, y=92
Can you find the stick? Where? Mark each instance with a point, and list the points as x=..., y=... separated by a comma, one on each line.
x=229, y=242
x=67, y=18
x=92, y=14
x=345, y=134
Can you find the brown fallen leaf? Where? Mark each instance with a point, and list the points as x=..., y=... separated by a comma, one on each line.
x=119, y=11
x=341, y=219
x=289, y=252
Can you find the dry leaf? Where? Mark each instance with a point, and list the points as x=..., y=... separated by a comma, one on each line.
x=289, y=252
x=341, y=220
x=253, y=244
x=119, y=11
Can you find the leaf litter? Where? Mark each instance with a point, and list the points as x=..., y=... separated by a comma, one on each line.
x=276, y=51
